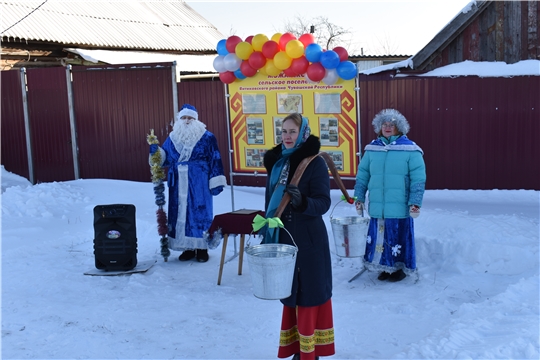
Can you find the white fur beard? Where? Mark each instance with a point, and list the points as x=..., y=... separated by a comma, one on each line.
x=187, y=134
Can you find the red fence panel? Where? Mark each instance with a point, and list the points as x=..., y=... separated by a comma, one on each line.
x=49, y=123
x=14, y=154
x=476, y=133
x=115, y=108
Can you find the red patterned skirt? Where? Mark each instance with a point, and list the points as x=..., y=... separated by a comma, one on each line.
x=308, y=331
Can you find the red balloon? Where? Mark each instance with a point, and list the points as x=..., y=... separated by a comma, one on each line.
x=246, y=69
x=270, y=49
x=257, y=60
x=307, y=39
x=300, y=65
x=315, y=71
x=284, y=39
x=290, y=72
x=227, y=77
x=249, y=38
x=231, y=43
x=342, y=52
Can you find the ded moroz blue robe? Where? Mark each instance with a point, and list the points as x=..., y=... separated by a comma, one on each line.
x=193, y=178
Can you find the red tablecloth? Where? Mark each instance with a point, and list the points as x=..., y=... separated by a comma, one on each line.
x=235, y=222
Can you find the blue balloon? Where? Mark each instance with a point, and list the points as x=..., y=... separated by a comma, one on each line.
x=221, y=48
x=330, y=59
x=239, y=75
x=313, y=52
x=347, y=70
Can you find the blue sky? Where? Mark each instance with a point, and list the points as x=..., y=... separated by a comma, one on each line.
x=405, y=26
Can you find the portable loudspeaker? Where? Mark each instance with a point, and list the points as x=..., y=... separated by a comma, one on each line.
x=115, y=237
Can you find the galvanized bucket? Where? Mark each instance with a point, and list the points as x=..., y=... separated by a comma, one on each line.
x=271, y=268
x=350, y=233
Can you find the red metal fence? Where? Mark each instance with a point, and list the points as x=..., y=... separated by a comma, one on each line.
x=477, y=133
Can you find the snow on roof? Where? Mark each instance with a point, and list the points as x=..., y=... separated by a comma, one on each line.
x=467, y=68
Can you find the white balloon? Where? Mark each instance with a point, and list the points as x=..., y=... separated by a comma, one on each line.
x=219, y=63
x=232, y=62
x=331, y=77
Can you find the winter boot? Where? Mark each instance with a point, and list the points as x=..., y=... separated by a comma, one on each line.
x=397, y=276
x=383, y=276
x=187, y=255
x=202, y=255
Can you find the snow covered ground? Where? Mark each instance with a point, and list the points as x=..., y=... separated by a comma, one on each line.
x=476, y=296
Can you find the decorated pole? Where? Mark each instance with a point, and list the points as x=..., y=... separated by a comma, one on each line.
x=158, y=175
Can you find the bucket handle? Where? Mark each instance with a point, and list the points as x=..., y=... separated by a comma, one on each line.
x=361, y=208
x=248, y=244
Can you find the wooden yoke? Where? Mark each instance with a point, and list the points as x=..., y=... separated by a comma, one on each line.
x=300, y=171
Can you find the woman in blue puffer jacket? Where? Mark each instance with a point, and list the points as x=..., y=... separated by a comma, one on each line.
x=393, y=171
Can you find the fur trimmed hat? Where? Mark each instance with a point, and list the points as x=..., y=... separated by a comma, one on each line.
x=188, y=110
x=393, y=116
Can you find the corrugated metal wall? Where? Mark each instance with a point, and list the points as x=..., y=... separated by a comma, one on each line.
x=477, y=133
x=208, y=96
x=49, y=123
x=115, y=108
x=14, y=155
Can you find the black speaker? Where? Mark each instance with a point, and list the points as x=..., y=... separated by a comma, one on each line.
x=115, y=237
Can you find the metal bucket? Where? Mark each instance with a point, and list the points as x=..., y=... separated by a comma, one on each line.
x=350, y=235
x=271, y=268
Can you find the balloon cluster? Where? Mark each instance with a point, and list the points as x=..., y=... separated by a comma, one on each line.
x=239, y=59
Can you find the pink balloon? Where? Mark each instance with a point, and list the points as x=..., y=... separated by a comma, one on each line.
x=231, y=43
x=342, y=52
x=284, y=39
x=300, y=65
x=246, y=69
x=316, y=71
x=307, y=39
x=227, y=77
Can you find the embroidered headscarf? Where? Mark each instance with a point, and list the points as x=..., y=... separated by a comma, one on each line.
x=279, y=176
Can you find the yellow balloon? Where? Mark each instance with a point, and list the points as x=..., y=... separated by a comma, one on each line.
x=294, y=49
x=263, y=70
x=276, y=37
x=243, y=50
x=282, y=61
x=258, y=41
x=271, y=69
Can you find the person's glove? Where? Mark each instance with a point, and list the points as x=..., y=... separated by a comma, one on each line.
x=296, y=196
x=216, y=191
x=359, y=208
x=154, y=148
x=414, y=211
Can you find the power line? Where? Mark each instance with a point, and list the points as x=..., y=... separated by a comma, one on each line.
x=30, y=13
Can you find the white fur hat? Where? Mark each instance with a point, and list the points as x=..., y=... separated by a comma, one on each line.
x=393, y=116
x=188, y=110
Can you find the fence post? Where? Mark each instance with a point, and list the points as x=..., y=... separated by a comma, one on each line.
x=72, y=124
x=174, y=90
x=27, y=131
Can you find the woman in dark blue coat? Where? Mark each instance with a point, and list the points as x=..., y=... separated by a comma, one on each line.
x=307, y=330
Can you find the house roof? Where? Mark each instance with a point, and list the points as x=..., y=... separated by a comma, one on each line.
x=448, y=33
x=158, y=25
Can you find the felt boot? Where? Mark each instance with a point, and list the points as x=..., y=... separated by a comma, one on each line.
x=187, y=255
x=397, y=276
x=202, y=255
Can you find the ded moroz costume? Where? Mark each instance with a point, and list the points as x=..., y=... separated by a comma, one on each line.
x=195, y=175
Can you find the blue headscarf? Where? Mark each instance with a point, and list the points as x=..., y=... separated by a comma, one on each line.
x=278, y=179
